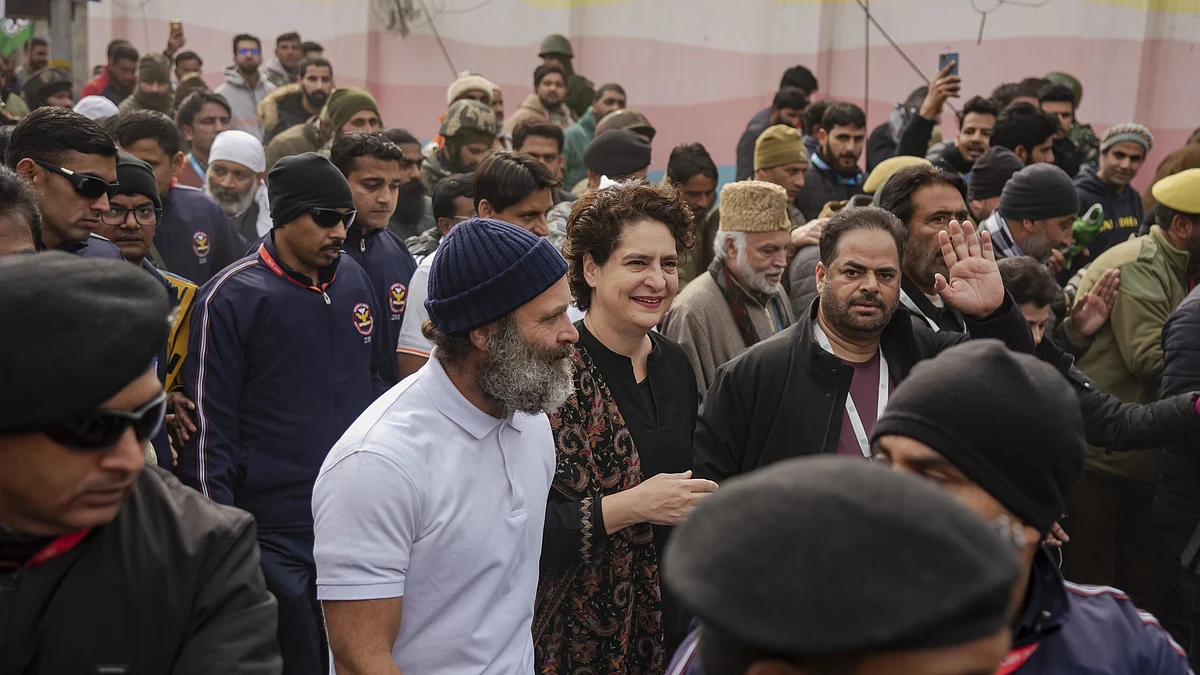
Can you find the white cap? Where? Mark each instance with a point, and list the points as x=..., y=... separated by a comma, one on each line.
x=95, y=107
x=239, y=147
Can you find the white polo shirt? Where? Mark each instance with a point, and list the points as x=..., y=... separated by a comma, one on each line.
x=428, y=497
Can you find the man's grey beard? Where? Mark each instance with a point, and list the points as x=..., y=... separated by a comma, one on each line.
x=521, y=377
x=232, y=202
x=756, y=281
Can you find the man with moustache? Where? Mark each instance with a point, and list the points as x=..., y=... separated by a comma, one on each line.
x=1123, y=150
x=975, y=123
x=740, y=301
x=1036, y=215
x=429, y=511
x=293, y=104
x=819, y=386
x=833, y=174
x=470, y=133
x=236, y=166
x=105, y=559
x=281, y=360
x=372, y=166
x=609, y=97
x=246, y=84
x=546, y=102
x=414, y=204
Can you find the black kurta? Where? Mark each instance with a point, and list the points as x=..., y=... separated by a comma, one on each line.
x=662, y=436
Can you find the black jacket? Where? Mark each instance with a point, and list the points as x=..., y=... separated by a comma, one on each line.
x=914, y=142
x=881, y=145
x=785, y=396
x=1118, y=426
x=823, y=185
x=1177, y=499
x=171, y=586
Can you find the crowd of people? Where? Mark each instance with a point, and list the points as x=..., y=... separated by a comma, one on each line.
x=931, y=411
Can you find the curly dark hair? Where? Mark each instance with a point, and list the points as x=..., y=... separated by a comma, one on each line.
x=599, y=217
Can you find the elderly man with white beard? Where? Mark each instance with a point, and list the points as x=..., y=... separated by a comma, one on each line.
x=740, y=301
x=236, y=166
x=429, y=510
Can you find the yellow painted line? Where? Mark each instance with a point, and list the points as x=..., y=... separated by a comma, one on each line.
x=1171, y=6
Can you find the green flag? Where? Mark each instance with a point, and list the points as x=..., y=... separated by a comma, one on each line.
x=13, y=34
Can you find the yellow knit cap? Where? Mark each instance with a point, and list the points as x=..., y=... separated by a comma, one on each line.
x=779, y=145
x=1180, y=192
x=888, y=168
x=754, y=206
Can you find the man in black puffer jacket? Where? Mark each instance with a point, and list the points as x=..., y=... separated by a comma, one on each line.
x=1176, y=511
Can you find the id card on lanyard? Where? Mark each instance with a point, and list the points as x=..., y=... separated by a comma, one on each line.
x=860, y=432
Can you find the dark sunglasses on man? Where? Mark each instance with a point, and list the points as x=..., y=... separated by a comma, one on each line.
x=88, y=187
x=101, y=429
x=328, y=218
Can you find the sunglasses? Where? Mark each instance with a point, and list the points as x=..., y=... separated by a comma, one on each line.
x=249, y=52
x=88, y=187
x=328, y=218
x=100, y=430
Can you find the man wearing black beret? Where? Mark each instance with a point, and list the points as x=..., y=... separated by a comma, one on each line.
x=281, y=361
x=108, y=563
x=614, y=155
x=848, y=568
x=1018, y=476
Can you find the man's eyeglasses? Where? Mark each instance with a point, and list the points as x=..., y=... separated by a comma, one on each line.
x=328, y=218
x=249, y=52
x=88, y=187
x=100, y=430
x=144, y=215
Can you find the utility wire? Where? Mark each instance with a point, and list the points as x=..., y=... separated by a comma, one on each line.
x=438, y=37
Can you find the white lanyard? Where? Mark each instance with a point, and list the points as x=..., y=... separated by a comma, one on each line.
x=912, y=306
x=852, y=412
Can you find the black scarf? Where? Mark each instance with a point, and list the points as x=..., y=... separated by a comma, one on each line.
x=736, y=297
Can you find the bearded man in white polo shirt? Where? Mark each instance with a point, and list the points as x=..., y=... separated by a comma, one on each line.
x=429, y=510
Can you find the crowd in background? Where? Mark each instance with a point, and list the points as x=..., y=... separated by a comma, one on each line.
x=494, y=402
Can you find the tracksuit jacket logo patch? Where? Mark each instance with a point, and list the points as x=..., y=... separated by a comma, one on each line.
x=398, y=298
x=364, y=323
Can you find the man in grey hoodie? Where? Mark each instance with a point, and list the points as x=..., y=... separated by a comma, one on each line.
x=245, y=85
x=284, y=69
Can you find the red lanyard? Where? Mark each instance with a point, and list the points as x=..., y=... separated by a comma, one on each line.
x=57, y=547
x=1015, y=659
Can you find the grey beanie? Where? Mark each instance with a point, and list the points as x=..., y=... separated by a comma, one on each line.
x=1037, y=192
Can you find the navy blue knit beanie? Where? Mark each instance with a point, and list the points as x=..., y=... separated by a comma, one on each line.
x=484, y=270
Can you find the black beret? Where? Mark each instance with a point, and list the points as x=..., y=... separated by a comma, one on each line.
x=616, y=153
x=76, y=332
x=820, y=556
x=1032, y=454
x=992, y=171
x=135, y=177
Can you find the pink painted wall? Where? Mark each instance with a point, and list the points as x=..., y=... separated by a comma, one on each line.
x=700, y=68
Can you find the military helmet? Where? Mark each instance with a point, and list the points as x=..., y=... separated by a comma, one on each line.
x=557, y=45
x=1070, y=82
x=467, y=116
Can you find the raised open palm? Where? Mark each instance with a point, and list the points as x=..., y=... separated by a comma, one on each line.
x=975, y=287
x=1091, y=312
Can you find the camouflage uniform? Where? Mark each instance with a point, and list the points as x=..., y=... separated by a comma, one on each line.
x=466, y=122
x=1085, y=139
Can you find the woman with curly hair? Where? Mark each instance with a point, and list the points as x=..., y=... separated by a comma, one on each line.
x=623, y=442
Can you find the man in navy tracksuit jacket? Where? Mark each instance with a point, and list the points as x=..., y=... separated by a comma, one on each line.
x=1017, y=476
x=281, y=360
x=371, y=164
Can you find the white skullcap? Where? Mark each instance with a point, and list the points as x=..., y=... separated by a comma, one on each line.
x=239, y=147
x=95, y=107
